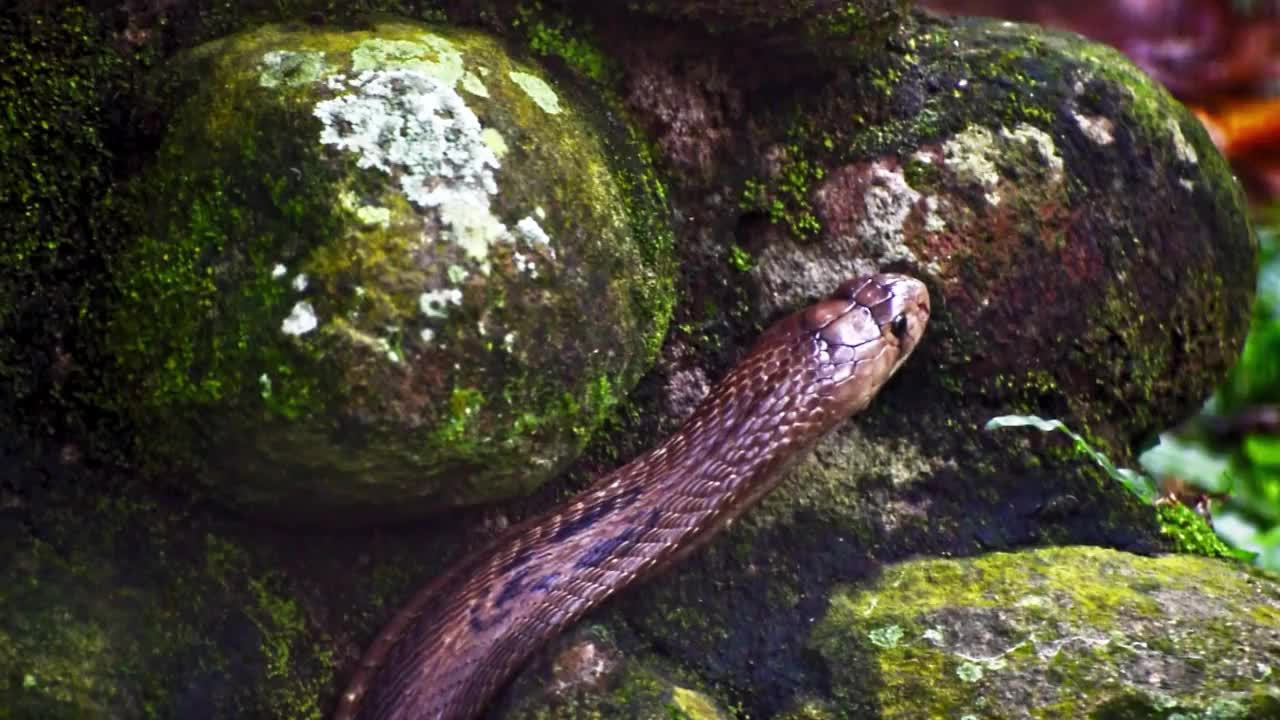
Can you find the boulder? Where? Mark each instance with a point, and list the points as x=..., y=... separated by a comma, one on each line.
x=384, y=271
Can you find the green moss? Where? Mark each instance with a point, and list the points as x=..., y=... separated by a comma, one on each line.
x=167, y=350
x=252, y=226
x=554, y=35
x=61, y=79
x=1189, y=532
x=689, y=704
x=739, y=259
x=124, y=606
x=785, y=199
x=286, y=641
x=845, y=20
x=973, y=633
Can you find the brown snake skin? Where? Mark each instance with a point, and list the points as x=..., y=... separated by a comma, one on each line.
x=460, y=638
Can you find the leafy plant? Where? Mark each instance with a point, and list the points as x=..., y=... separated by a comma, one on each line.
x=1134, y=481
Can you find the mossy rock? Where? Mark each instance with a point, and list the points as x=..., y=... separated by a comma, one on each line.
x=591, y=675
x=117, y=598
x=1069, y=632
x=390, y=269
x=1002, y=165
x=120, y=607
x=1047, y=190
x=60, y=76
x=854, y=30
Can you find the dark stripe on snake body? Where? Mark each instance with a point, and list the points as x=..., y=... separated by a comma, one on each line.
x=512, y=588
x=607, y=548
x=594, y=513
x=460, y=638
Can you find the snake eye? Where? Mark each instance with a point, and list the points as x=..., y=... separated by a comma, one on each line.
x=898, y=326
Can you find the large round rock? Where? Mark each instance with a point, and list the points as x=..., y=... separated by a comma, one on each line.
x=395, y=268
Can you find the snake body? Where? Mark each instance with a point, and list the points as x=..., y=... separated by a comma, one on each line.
x=459, y=639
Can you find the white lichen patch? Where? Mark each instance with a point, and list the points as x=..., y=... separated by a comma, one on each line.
x=435, y=303
x=525, y=264
x=399, y=112
x=969, y=155
x=433, y=55
x=889, y=201
x=302, y=319
x=1042, y=142
x=472, y=84
x=1097, y=128
x=290, y=68
x=532, y=232
x=412, y=125
x=373, y=216
x=471, y=225
x=538, y=90
x=495, y=141
x=934, y=222
x=415, y=127
x=1185, y=152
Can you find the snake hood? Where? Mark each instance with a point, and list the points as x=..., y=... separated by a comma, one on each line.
x=447, y=652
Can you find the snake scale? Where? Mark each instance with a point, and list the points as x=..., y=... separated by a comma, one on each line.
x=449, y=650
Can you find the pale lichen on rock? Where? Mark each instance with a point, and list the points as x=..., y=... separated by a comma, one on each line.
x=401, y=224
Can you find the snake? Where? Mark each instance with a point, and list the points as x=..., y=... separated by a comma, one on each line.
x=449, y=650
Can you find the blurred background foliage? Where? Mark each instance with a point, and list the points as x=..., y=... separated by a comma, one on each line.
x=1221, y=58
x=1227, y=460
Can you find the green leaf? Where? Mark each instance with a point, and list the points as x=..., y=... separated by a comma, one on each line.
x=1135, y=482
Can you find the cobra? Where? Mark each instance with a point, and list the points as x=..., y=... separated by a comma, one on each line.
x=449, y=650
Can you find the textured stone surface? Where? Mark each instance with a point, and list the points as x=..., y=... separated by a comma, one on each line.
x=386, y=270
x=1089, y=261
x=1055, y=633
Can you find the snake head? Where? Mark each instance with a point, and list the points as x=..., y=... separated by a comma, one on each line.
x=863, y=332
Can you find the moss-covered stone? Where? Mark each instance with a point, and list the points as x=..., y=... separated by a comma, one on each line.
x=360, y=248
x=1034, y=181
x=123, y=608
x=1054, y=633
x=790, y=171
x=848, y=30
x=60, y=78
x=1009, y=173
x=589, y=675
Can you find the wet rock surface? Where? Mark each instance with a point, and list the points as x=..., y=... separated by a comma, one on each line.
x=1088, y=259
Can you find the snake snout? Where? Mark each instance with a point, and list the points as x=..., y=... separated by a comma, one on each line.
x=905, y=312
x=865, y=330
